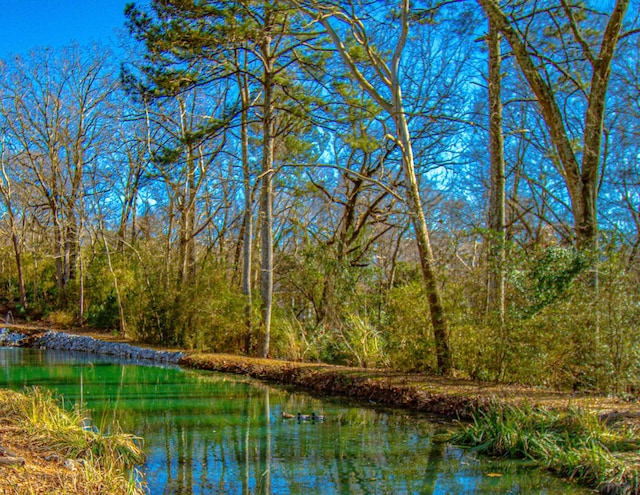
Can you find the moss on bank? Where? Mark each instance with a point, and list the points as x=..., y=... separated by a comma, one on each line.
x=45, y=449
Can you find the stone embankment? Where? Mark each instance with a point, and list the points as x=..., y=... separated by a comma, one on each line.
x=84, y=343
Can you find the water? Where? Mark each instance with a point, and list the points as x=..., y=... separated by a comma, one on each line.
x=212, y=433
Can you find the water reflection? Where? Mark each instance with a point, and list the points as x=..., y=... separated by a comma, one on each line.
x=208, y=433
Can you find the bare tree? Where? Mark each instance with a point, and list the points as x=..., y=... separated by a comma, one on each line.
x=7, y=191
x=54, y=109
x=581, y=176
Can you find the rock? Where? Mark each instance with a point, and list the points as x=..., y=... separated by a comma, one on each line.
x=6, y=452
x=84, y=343
x=11, y=339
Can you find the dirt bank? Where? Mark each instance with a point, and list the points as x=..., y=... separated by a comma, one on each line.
x=452, y=397
x=434, y=394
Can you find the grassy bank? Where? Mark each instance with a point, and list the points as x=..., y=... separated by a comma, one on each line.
x=598, y=451
x=45, y=449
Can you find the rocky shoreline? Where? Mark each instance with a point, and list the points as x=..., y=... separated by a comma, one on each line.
x=85, y=343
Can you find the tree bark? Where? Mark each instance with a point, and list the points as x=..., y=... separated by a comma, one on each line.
x=266, y=204
x=496, y=217
x=247, y=235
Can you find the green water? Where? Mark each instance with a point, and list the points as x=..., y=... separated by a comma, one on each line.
x=210, y=433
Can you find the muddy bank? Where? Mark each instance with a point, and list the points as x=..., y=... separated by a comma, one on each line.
x=373, y=387
x=455, y=398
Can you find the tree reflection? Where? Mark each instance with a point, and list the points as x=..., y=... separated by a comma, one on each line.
x=209, y=433
x=435, y=458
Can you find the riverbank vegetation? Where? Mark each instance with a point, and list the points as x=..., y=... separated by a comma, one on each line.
x=353, y=185
x=52, y=450
x=573, y=443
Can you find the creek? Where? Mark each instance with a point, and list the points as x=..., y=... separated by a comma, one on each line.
x=214, y=433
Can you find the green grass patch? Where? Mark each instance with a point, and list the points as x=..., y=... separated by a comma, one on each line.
x=572, y=443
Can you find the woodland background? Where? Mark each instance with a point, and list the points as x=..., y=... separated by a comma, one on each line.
x=447, y=186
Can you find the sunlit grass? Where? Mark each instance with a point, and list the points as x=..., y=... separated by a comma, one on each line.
x=62, y=440
x=574, y=443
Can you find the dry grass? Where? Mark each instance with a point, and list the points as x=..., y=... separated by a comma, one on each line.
x=62, y=456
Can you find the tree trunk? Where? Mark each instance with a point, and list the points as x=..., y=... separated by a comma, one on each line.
x=18, y=256
x=427, y=261
x=247, y=240
x=416, y=212
x=496, y=220
x=266, y=207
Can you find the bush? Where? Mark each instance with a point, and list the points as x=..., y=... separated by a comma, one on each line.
x=408, y=333
x=61, y=318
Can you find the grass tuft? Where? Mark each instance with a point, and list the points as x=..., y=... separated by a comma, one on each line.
x=574, y=443
x=51, y=436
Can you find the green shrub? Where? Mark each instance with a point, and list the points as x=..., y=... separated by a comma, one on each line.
x=408, y=331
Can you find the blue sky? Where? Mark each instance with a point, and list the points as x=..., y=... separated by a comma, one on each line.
x=25, y=24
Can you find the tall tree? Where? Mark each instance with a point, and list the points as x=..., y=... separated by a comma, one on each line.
x=496, y=220
x=389, y=79
x=190, y=44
